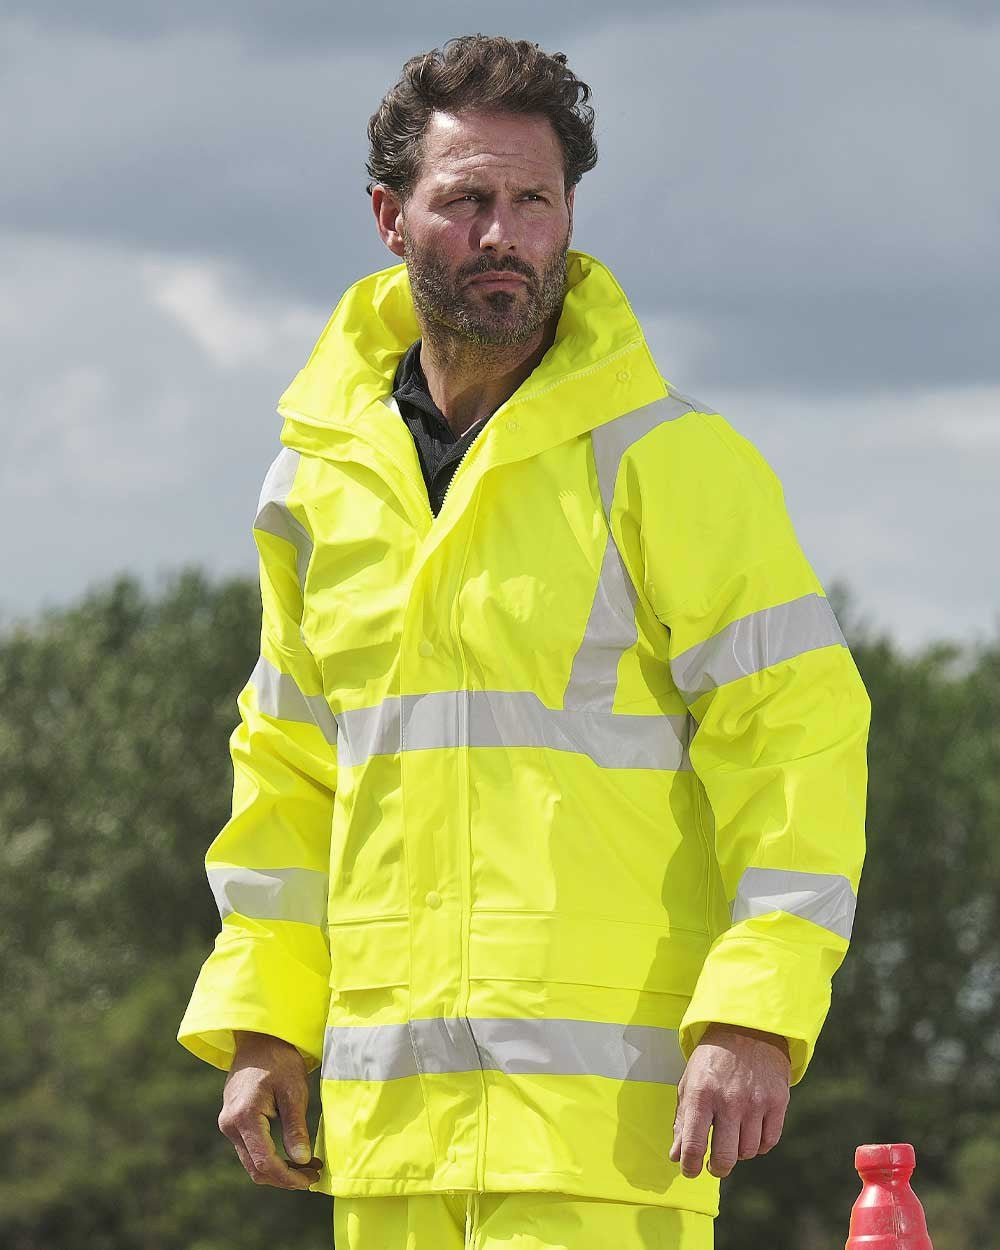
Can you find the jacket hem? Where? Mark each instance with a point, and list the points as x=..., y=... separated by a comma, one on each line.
x=505, y=1182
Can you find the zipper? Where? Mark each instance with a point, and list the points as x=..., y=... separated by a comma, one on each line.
x=463, y=795
x=461, y=460
x=471, y=1220
x=455, y=474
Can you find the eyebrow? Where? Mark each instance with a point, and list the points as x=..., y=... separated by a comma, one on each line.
x=476, y=188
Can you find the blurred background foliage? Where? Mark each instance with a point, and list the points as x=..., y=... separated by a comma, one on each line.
x=114, y=778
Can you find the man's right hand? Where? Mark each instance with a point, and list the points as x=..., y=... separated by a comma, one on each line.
x=268, y=1080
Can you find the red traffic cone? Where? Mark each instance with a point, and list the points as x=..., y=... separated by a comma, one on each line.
x=887, y=1214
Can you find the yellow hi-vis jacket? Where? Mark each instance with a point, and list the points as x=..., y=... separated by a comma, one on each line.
x=528, y=793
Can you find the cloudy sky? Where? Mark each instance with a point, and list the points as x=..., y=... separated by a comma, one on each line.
x=798, y=198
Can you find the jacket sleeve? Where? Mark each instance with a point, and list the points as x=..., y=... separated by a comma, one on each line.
x=268, y=867
x=780, y=720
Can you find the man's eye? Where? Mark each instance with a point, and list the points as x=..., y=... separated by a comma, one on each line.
x=471, y=195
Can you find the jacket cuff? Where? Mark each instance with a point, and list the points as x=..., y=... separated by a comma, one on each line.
x=759, y=981
x=251, y=983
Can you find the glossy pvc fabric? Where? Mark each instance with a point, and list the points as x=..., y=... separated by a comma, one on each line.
x=527, y=793
x=515, y=1222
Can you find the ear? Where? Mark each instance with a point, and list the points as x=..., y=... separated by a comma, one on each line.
x=570, y=200
x=388, y=218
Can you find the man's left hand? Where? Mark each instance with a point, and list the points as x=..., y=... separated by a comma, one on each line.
x=736, y=1080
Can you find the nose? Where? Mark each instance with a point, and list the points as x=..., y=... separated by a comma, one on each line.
x=499, y=232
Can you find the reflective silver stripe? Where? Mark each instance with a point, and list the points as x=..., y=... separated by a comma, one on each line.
x=611, y=627
x=755, y=642
x=825, y=898
x=270, y=893
x=367, y=731
x=501, y=718
x=629, y=1052
x=374, y=1052
x=273, y=514
x=278, y=695
x=385, y=1052
x=593, y=679
x=694, y=405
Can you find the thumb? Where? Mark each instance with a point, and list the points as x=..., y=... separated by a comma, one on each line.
x=291, y=1104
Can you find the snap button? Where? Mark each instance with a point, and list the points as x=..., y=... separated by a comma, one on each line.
x=623, y=375
x=512, y=425
x=433, y=899
x=425, y=648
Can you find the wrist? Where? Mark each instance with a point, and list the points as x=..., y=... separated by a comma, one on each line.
x=778, y=1040
x=248, y=1037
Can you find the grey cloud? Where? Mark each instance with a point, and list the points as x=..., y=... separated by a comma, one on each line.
x=814, y=195
x=810, y=192
x=194, y=145
x=851, y=348
x=130, y=447
x=291, y=24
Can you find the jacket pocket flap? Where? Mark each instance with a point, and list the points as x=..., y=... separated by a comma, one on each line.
x=585, y=950
x=369, y=954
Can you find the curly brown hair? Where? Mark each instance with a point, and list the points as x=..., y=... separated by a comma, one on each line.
x=488, y=73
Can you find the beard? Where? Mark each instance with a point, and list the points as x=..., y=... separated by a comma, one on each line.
x=453, y=310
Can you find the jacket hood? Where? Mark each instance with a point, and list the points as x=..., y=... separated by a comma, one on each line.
x=354, y=361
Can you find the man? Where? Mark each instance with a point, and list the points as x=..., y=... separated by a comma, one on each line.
x=550, y=781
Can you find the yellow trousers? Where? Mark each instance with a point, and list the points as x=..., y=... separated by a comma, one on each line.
x=521, y=1221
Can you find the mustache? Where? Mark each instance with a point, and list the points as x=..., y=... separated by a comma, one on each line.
x=488, y=267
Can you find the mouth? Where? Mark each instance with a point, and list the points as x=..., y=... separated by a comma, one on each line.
x=497, y=278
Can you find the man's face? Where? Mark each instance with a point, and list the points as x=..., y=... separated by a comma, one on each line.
x=490, y=197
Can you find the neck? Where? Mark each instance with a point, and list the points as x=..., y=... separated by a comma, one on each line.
x=469, y=381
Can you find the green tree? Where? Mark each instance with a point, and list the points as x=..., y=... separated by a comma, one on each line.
x=114, y=778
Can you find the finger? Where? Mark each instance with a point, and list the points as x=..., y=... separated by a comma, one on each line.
x=694, y=1135
x=725, y=1143
x=750, y=1133
x=260, y=1147
x=291, y=1103
x=770, y=1135
x=247, y=1162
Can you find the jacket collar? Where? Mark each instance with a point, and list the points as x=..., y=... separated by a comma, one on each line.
x=599, y=360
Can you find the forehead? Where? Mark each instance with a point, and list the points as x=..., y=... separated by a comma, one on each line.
x=466, y=144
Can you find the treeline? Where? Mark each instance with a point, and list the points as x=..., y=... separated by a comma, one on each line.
x=114, y=778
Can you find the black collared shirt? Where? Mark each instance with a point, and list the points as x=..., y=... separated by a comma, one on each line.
x=437, y=446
